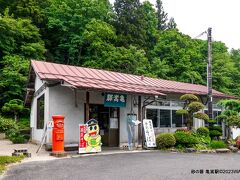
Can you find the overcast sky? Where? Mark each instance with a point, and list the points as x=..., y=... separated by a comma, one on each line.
x=195, y=16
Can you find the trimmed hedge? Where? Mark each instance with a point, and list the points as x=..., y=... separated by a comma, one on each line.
x=185, y=138
x=218, y=128
x=203, y=131
x=165, y=140
x=214, y=133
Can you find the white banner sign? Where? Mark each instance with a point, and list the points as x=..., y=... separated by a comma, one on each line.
x=50, y=125
x=149, y=133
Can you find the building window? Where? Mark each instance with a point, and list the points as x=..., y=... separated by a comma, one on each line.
x=215, y=115
x=165, y=118
x=40, y=112
x=177, y=120
x=153, y=115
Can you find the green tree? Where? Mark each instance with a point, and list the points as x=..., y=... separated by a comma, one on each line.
x=13, y=78
x=150, y=18
x=19, y=40
x=162, y=16
x=127, y=60
x=21, y=37
x=231, y=113
x=159, y=68
x=14, y=106
x=30, y=9
x=181, y=54
x=191, y=109
x=67, y=20
x=171, y=24
x=235, y=56
x=130, y=23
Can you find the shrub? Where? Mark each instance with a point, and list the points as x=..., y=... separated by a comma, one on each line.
x=217, y=144
x=24, y=124
x=202, y=116
x=12, y=130
x=200, y=147
x=185, y=138
x=189, y=97
x=214, y=133
x=15, y=136
x=182, y=130
x=7, y=124
x=203, y=131
x=218, y=128
x=19, y=139
x=165, y=140
x=203, y=140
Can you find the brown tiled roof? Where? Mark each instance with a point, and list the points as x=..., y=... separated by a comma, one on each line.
x=95, y=79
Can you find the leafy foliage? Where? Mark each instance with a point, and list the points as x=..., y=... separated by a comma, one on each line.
x=231, y=114
x=162, y=16
x=185, y=138
x=214, y=133
x=182, y=112
x=130, y=23
x=6, y=124
x=217, y=144
x=20, y=36
x=203, y=131
x=189, y=97
x=165, y=140
x=202, y=116
x=15, y=106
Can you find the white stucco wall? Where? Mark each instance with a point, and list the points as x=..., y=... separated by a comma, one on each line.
x=36, y=134
x=62, y=102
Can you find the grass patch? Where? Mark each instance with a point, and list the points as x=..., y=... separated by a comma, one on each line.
x=5, y=160
x=217, y=144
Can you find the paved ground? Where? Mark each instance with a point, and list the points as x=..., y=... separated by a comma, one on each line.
x=140, y=166
x=7, y=148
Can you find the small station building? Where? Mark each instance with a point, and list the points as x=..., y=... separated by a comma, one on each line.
x=81, y=93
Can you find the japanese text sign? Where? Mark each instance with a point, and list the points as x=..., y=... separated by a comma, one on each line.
x=82, y=142
x=149, y=133
x=115, y=100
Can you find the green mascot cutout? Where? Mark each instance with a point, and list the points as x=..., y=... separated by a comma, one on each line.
x=92, y=136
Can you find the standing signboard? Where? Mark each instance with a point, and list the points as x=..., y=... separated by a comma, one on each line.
x=149, y=133
x=82, y=142
x=89, y=138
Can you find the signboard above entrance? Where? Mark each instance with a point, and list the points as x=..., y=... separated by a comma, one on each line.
x=115, y=100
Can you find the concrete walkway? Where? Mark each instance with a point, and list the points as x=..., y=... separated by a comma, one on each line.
x=7, y=148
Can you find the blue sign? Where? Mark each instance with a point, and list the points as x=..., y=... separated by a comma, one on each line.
x=115, y=100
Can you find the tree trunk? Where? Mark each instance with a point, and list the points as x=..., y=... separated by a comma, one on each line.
x=15, y=117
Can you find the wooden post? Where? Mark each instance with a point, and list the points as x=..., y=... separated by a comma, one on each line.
x=87, y=106
x=140, y=119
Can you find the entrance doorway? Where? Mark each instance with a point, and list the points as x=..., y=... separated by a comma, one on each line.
x=108, y=121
